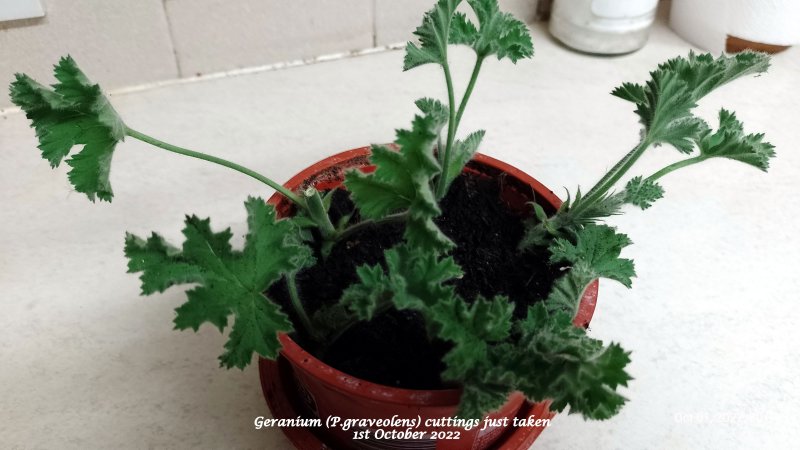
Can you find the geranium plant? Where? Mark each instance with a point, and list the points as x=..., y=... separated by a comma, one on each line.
x=494, y=345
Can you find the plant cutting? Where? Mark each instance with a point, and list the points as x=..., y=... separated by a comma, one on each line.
x=420, y=266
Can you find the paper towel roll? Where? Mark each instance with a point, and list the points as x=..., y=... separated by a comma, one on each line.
x=709, y=23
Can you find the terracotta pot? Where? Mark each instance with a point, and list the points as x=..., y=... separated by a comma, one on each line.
x=298, y=383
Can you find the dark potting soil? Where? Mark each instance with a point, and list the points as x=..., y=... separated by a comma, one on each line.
x=394, y=349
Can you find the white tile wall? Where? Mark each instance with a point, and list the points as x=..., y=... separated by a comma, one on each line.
x=122, y=42
x=118, y=42
x=214, y=35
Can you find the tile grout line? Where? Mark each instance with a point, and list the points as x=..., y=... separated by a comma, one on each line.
x=374, y=23
x=239, y=72
x=171, y=34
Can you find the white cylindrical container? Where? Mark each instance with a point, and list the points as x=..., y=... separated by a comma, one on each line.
x=606, y=27
x=711, y=24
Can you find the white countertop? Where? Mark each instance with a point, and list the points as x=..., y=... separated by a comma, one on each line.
x=86, y=363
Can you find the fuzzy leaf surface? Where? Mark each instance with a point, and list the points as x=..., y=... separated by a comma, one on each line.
x=642, y=192
x=435, y=33
x=550, y=359
x=499, y=33
x=665, y=102
x=73, y=112
x=730, y=141
x=593, y=253
x=599, y=247
x=228, y=282
x=372, y=292
x=420, y=280
x=463, y=151
x=402, y=182
x=470, y=327
x=437, y=110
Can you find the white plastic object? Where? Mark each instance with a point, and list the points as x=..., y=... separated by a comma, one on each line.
x=20, y=9
x=603, y=26
x=708, y=23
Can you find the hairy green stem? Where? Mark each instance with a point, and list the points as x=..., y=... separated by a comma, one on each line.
x=451, y=130
x=468, y=92
x=618, y=171
x=223, y=162
x=349, y=231
x=294, y=296
x=318, y=212
x=676, y=166
x=455, y=120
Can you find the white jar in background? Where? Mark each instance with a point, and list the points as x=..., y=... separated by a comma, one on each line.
x=717, y=25
x=606, y=27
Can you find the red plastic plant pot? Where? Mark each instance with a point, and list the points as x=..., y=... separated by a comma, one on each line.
x=298, y=383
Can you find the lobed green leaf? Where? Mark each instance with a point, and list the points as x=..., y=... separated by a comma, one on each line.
x=593, y=253
x=500, y=33
x=470, y=327
x=228, y=282
x=598, y=247
x=730, y=141
x=463, y=151
x=402, y=181
x=642, y=192
x=73, y=112
x=665, y=102
x=434, y=35
x=551, y=359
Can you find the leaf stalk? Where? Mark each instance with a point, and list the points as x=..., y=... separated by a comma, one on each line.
x=451, y=130
x=675, y=166
x=455, y=119
x=294, y=296
x=216, y=160
x=612, y=176
x=319, y=214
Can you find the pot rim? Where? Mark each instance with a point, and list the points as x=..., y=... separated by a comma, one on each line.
x=354, y=386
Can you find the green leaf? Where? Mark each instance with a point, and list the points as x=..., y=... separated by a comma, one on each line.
x=71, y=113
x=500, y=33
x=681, y=133
x=462, y=153
x=598, y=247
x=414, y=279
x=373, y=290
x=642, y=192
x=729, y=141
x=161, y=264
x=418, y=276
x=228, y=282
x=631, y=92
x=470, y=327
x=552, y=359
x=582, y=373
x=438, y=111
x=402, y=181
x=665, y=102
x=593, y=253
x=462, y=30
x=420, y=280
x=434, y=35
x=568, y=290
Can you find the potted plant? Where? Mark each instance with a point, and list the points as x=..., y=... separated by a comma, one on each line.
x=417, y=292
